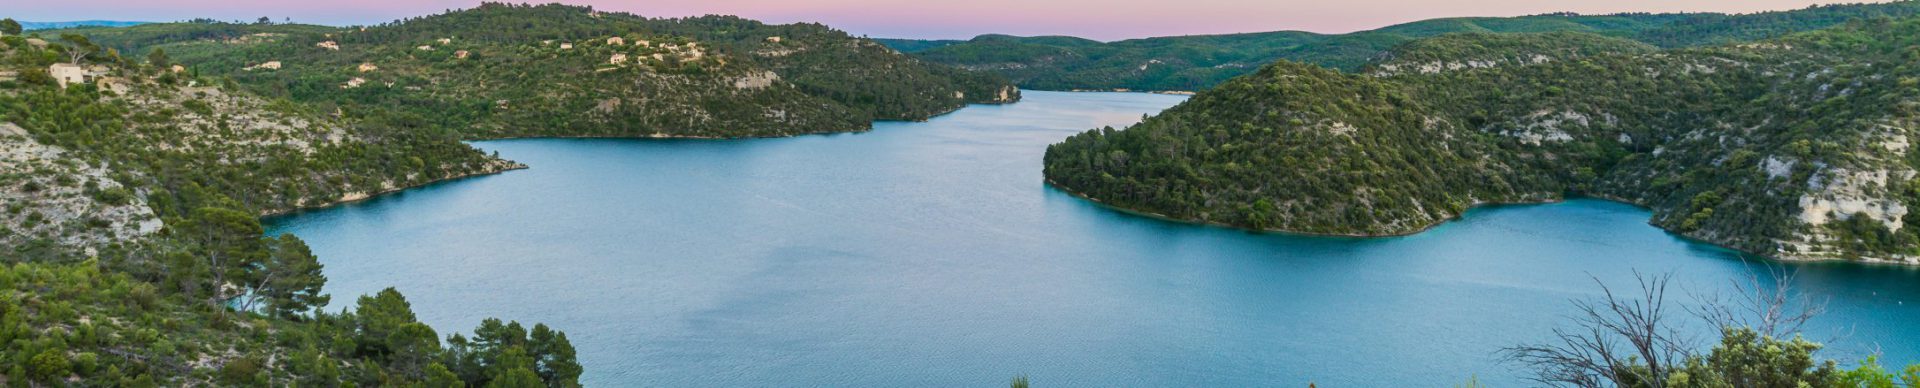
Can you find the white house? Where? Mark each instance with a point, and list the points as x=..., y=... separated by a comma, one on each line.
x=616, y=41
x=330, y=45
x=67, y=73
x=618, y=58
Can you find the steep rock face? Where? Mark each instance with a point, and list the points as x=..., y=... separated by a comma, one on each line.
x=49, y=195
x=84, y=168
x=1794, y=149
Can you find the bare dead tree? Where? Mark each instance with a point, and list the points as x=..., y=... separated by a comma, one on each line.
x=1769, y=306
x=1618, y=340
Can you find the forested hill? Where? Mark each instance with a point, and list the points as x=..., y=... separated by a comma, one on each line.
x=132, y=255
x=1193, y=63
x=1798, y=147
x=502, y=70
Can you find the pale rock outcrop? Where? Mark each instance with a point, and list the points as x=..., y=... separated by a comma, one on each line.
x=1840, y=194
x=53, y=202
x=759, y=80
x=1776, y=167
x=116, y=85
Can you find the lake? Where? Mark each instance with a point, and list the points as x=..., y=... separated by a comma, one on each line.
x=932, y=254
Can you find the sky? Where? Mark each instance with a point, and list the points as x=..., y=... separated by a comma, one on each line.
x=925, y=19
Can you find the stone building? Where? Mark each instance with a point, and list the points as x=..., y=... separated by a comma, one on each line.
x=67, y=73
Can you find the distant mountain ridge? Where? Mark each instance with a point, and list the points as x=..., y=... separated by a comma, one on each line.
x=74, y=24
x=1192, y=63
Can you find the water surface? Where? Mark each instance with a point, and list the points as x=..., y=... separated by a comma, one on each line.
x=931, y=254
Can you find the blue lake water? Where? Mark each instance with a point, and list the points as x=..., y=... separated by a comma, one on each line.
x=932, y=254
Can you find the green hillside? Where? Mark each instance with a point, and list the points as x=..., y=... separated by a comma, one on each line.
x=1793, y=148
x=572, y=71
x=131, y=253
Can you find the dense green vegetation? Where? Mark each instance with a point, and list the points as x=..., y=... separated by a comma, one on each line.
x=916, y=45
x=1796, y=147
x=1193, y=63
x=131, y=252
x=558, y=71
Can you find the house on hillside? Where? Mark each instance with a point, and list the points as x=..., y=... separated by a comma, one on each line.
x=462, y=54
x=330, y=45
x=67, y=73
x=618, y=58
x=616, y=41
x=268, y=65
x=566, y=46
x=368, y=66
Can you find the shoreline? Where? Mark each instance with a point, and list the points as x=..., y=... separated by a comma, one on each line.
x=665, y=136
x=1478, y=205
x=503, y=167
x=1055, y=185
x=1126, y=90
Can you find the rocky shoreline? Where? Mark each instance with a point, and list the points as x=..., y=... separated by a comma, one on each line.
x=1908, y=261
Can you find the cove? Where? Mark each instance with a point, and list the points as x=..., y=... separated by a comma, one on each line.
x=933, y=254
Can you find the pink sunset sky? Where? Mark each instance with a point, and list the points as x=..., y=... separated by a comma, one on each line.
x=1097, y=19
